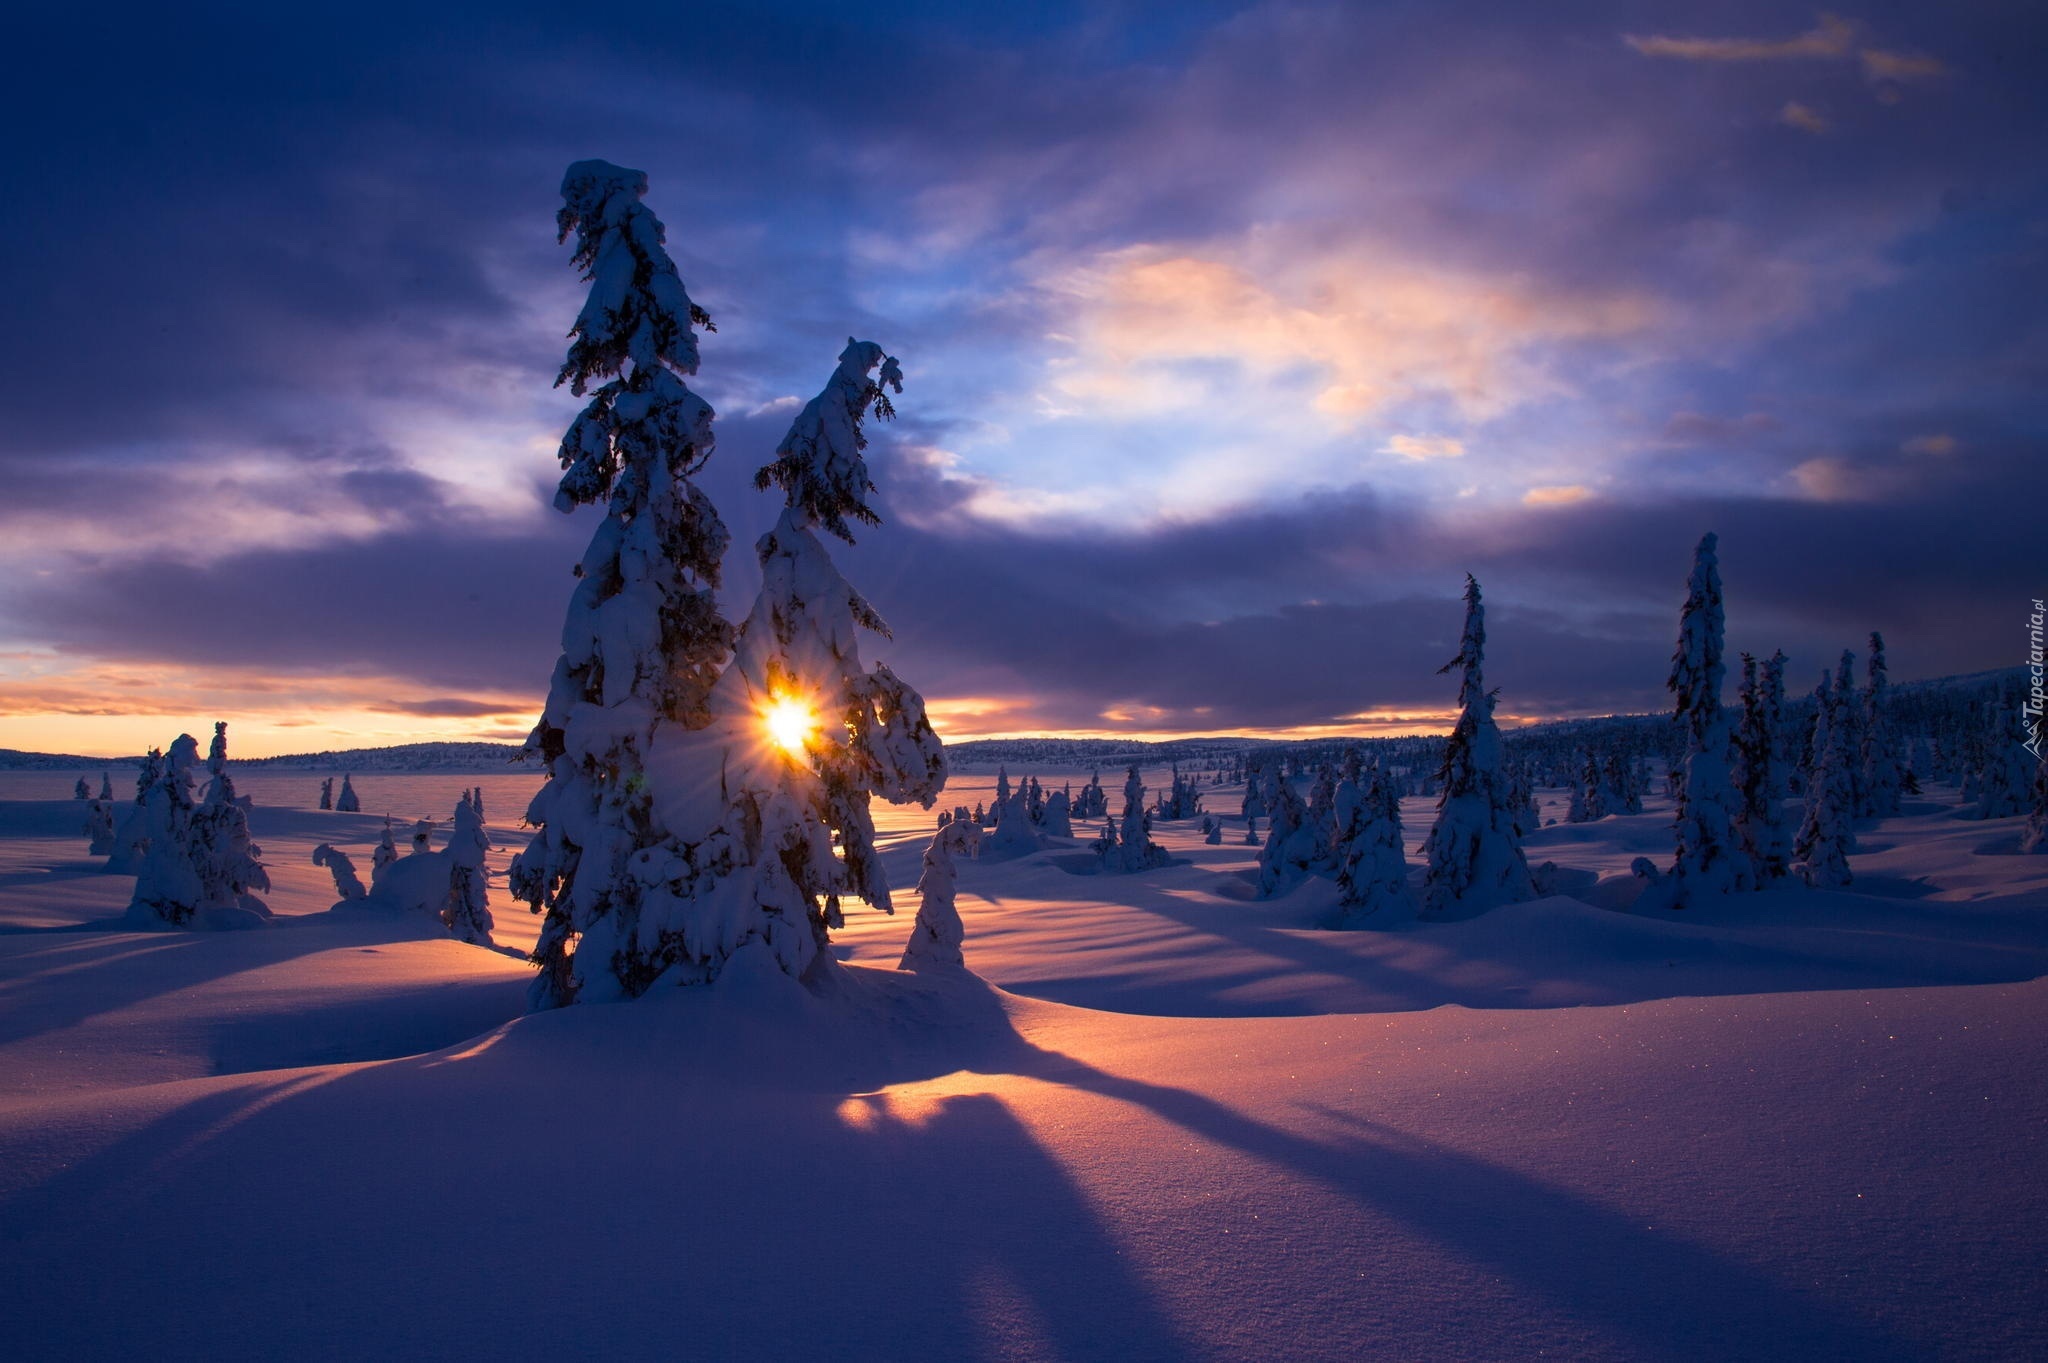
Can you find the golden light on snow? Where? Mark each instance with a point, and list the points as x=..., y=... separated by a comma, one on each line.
x=791, y=721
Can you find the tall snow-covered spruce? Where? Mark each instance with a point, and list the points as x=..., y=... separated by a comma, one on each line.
x=1475, y=860
x=769, y=804
x=644, y=639
x=1712, y=857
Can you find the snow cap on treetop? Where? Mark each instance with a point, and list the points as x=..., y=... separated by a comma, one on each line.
x=818, y=465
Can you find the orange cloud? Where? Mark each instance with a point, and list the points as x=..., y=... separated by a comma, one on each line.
x=1371, y=326
x=1832, y=36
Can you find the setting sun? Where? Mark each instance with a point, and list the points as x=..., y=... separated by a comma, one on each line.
x=791, y=721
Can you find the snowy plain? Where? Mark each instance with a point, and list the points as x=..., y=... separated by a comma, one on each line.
x=1166, y=1121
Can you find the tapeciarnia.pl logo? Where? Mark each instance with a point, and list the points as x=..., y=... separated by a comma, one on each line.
x=2032, y=709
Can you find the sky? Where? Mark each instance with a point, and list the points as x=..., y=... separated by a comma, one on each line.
x=1233, y=336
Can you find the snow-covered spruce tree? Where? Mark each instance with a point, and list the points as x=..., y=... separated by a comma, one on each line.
x=1475, y=859
x=1711, y=857
x=1293, y=843
x=643, y=640
x=342, y=867
x=935, y=939
x=1760, y=772
x=81, y=791
x=1130, y=848
x=768, y=806
x=467, y=913
x=1848, y=718
x=1016, y=834
x=1372, y=869
x=347, y=802
x=201, y=869
x=1000, y=809
x=1058, y=819
x=99, y=828
x=2005, y=769
x=1823, y=842
x=327, y=793
x=2035, y=838
x=131, y=826
x=386, y=850
x=1877, y=794
x=106, y=786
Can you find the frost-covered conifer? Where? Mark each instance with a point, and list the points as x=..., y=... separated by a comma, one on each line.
x=2035, y=838
x=467, y=911
x=1000, y=809
x=347, y=802
x=1760, y=772
x=342, y=867
x=1015, y=833
x=2005, y=769
x=106, y=786
x=1372, y=869
x=1057, y=821
x=131, y=828
x=99, y=828
x=1711, y=857
x=643, y=640
x=935, y=940
x=201, y=869
x=1877, y=795
x=1093, y=801
x=1475, y=859
x=1849, y=719
x=81, y=791
x=445, y=888
x=1292, y=845
x=386, y=851
x=1212, y=830
x=422, y=837
x=327, y=793
x=1132, y=848
x=768, y=806
x=1824, y=839
x=1575, y=809
x=1593, y=781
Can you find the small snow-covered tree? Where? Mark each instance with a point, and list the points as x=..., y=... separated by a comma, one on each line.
x=201, y=869
x=643, y=640
x=327, y=794
x=1093, y=801
x=342, y=867
x=1130, y=848
x=1372, y=868
x=1058, y=819
x=2005, y=769
x=131, y=826
x=936, y=938
x=1824, y=839
x=386, y=850
x=347, y=802
x=467, y=912
x=2035, y=838
x=1711, y=857
x=1878, y=792
x=1760, y=771
x=99, y=828
x=1475, y=859
x=1292, y=845
x=81, y=791
x=106, y=786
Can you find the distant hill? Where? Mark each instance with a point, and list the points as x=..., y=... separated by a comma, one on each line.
x=451, y=757
x=13, y=759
